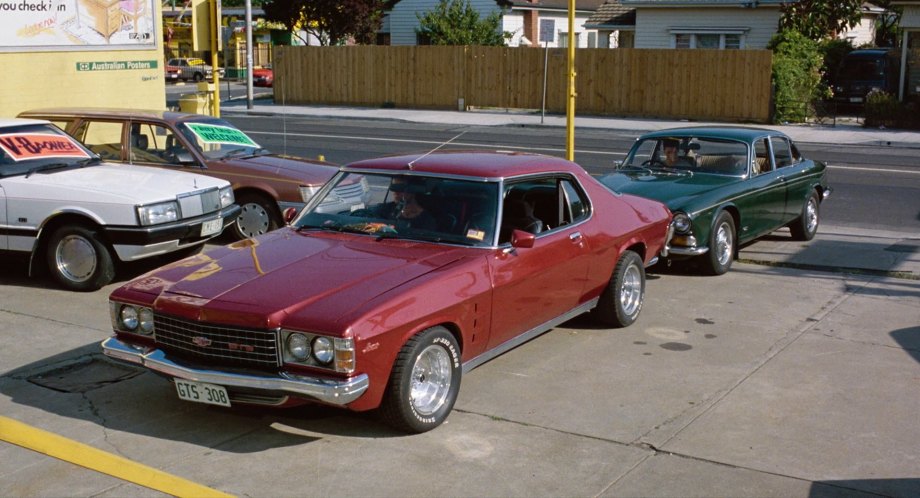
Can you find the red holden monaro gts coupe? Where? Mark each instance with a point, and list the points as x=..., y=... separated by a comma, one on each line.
x=452, y=259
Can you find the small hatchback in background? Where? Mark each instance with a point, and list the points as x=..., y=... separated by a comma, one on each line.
x=265, y=184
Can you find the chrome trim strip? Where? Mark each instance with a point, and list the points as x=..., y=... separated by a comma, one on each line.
x=328, y=391
x=733, y=199
x=530, y=334
x=689, y=251
x=826, y=193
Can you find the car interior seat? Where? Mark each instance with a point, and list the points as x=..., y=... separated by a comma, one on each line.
x=518, y=215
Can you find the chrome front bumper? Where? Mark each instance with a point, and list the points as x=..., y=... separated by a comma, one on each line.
x=336, y=392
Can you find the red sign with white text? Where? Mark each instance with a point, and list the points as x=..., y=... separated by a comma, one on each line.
x=22, y=146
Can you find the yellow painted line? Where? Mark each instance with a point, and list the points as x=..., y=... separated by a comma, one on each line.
x=28, y=437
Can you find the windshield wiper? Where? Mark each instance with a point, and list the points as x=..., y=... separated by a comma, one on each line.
x=244, y=154
x=45, y=167
x=89, y=161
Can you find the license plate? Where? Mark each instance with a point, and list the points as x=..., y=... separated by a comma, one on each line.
x=200, y=392
x=212, y=227
x=856, y=99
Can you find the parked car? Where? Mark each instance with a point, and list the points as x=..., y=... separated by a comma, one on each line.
x=727, y=186
x=263, y=76
x=172, y=73
x=370, y=307
x=265, y=184
x=864, y=71
x=60, y=203
x=192, y=68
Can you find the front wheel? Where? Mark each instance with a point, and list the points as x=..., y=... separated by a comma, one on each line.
x=257, y=216
x=78, y=260
x=424, y=382
x=806, y=225
x=721, y=245
x=621, y=302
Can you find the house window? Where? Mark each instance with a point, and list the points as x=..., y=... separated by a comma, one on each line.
x=685, y=38
x=592, y=40
x=564, y=39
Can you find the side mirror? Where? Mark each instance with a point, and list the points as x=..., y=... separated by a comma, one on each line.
x=617, y=164
x=521, y=239
x=289, y=215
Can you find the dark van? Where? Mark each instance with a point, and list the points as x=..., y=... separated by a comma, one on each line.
x=864, y=70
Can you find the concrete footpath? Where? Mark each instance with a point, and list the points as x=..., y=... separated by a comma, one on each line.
x=796, y=374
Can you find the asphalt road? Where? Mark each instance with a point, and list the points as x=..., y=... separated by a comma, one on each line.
x=875, y=187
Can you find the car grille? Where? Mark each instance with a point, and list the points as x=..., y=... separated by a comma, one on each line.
x=219, y=344
x=199, y=203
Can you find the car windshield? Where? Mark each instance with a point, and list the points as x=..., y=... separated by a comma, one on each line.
x=32, y=148
x=218, y=139
x=688, y=155
x=427, y=208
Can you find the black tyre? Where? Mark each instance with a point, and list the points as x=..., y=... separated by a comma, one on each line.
x=424, y=382
x=258, y=215
x=78, y=260
x=806, y=225
x=621, y=301
x=198, y=77
x=721, y=245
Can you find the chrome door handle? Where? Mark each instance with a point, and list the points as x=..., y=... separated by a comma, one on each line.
x=575, y=236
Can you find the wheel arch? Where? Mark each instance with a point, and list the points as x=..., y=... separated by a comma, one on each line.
x=260, y=191
x=63, y=218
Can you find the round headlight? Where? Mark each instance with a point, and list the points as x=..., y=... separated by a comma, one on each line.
x=681, y=223
x=299, y=346
x=128, y=317
x=145, y=318
x=323, y=350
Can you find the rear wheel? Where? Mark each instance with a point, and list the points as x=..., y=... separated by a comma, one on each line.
x=721, y=245
x=621, y=302
x=78, y=260
x=806, y=225
x=258, y=215
x=424, y=382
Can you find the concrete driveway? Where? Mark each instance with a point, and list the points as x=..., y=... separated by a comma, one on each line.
x=795, y=374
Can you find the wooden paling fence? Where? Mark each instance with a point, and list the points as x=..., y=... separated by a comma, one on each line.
x=718, y=85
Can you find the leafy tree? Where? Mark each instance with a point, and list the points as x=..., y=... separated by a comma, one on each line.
x=818, y=19
x=797, y=62
x=330, y=21
x=456, y=22
x=886, y=26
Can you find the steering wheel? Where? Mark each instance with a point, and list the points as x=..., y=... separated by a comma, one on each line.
x=654, y=162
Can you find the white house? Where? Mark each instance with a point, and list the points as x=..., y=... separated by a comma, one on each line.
x=615, y=24
x=715, y=24
x=521, y=18
x=910, y=49
x=864, y=32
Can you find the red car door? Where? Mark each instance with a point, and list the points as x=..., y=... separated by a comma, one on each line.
x=537, y=284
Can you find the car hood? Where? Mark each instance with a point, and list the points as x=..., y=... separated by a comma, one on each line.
x=107, y=183
x=277, y=165
x=674, y=190
x=258, y=282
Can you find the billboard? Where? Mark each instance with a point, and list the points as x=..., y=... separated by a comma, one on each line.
x=55, y=25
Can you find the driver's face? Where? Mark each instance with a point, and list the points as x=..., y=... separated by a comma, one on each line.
x=670, y=154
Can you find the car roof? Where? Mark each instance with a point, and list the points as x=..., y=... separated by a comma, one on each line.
x=742, y=133
x=10, y=122
x=113, y=113
x=474, y=164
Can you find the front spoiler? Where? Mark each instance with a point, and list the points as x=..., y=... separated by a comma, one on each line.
x=335, y=392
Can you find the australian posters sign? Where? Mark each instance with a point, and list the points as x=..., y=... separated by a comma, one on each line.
x=35, y=25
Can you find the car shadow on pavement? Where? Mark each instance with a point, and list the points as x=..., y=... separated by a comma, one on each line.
x=909, y=339
x=84, y=385
x=908, y=486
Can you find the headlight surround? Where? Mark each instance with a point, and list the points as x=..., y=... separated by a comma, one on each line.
x=155, y=214
x=310, y=349
x=226, y=196
x=308, y=191
x=131, y=318
x=681, y=223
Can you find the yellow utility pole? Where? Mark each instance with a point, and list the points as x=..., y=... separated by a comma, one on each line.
x=215, y=46
x=570, y=101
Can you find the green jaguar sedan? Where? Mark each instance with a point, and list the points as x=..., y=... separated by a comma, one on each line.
x=726, y=186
